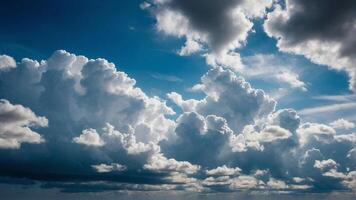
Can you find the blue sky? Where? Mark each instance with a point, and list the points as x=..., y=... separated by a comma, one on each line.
x=198, y=96
x=124, y=34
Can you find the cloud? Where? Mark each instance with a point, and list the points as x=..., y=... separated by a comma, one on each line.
x=6, y=62
x=166, y=77
x=269, y=67
x=325, y=164
x=87, y=101
x=105, y=168
x=223, y=171
x=268, y=134
x=316, y=131
x=292, y=79
x=342, y=124
x=15, y=123
x=112, y=138
x=186, y=105
x=89, y=137
x=327, y=108
x=161, y=164
x=220, y=27
x=105, y=131
x=231, y=97
x=322, y=31
x=244, y=182
x=144, y=5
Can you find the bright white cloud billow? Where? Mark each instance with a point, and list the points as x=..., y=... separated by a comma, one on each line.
x=89, y=137
x=6, y=62
x=15, y=123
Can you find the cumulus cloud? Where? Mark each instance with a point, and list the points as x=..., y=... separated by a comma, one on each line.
x=231, y=97
x=231, y=139
x=322, y=31
x=220, y=26
x=115, y=139
x=6, y=62
x=342, y=124
x=15, y=125
x=77, y=94
x=223, y=171
x=320, y=132
x=269, y=134
x=89, y=137
x=161, y=164
x=325, y=164
x=244, y=182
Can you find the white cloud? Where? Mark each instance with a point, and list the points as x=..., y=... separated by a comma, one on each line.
x=320, y=132
x=350, y=180
x=269, y=134
x=231, y=97
x=276, y=184
x=342, y=124
x=244, y=182
x=116, y=139
x=223, y=171
x=230, y=59
x=270, y=67
x=159, y=163
x=89, y=137
x=6, y=62
x=186, y=105
x=15, y=123
x=112, y=167
x=325, y=164
x=190, y=47
x=292, y=79
x=145, y=5
x=327, y=108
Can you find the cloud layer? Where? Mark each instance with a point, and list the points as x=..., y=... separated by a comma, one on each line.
x=104, y=130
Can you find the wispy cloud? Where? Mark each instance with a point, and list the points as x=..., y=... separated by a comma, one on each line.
x=337, y=98
x=327, y=108
x=164, y=77
x=273, y=68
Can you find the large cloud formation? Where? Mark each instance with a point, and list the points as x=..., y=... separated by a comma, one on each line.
x=104, y=131
x=217, y=30
x=323, y=31
x=217, y=26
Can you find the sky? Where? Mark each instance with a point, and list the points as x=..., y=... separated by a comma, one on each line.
x=188, y=99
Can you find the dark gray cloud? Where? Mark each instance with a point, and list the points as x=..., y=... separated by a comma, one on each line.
x=214, y=27
x=211, y=17
x=323, y=31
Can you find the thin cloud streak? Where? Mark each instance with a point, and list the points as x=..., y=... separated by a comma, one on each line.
x=327, y=108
